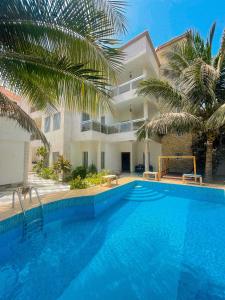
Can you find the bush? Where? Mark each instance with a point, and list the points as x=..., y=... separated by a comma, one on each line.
x=78, y=183
x=96, y=179
x=62, y=165
x=38, y=167
x=46, y=173
x=41, y=164
x=79, y=171
x=92, y=169
x=93, y=179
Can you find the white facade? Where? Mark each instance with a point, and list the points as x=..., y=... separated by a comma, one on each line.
x=110, y=141
x=14, y=147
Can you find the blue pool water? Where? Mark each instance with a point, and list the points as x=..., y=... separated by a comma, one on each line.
x=160, y=241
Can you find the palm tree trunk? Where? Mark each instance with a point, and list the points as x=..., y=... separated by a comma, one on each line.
x=208, y=159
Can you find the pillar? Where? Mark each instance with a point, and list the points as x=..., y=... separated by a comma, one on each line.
x=146, y=156
x=99, y=149
x=26, y=162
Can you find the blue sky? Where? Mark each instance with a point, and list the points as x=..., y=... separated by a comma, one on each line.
x=165, y=19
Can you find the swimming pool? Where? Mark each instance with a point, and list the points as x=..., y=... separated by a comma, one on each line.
x=157, y=241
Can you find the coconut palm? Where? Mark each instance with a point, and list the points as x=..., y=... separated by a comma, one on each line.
x=57, y=52
x=192, y=93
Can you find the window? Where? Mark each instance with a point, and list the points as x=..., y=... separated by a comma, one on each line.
x=85, y=159
x=56, y=121
x=47, y=124
x=102, y=160
x=103, y=120
x=55, y=156
x=85, y=117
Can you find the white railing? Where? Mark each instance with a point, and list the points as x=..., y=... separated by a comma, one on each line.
x=127, y=86
x=125, y=126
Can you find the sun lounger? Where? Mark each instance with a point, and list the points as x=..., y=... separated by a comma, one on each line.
x=192, y=176
x=147, y=174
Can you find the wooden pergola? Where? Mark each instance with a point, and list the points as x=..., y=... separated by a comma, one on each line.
x=160, y=158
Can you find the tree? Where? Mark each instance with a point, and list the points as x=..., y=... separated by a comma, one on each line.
x=57, y=52
x=192, y=92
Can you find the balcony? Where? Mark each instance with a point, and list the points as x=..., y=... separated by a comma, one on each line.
x=93, y=125
x=121, y=127
x=127, y=90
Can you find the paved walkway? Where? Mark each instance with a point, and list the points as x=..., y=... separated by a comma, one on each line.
x=45, y=187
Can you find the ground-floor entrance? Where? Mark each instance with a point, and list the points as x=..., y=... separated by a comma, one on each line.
x=125, y=161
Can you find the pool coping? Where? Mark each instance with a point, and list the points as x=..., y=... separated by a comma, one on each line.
x=8, y=212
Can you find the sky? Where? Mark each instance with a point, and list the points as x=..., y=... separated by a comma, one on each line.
x=165, y=19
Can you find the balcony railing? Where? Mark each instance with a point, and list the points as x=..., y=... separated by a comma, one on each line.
x=110, y=129
x=127, y=86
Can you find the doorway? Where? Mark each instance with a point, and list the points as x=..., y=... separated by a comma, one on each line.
x=125, y=160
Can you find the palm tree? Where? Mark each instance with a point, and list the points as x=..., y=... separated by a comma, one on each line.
x=192, y=93
x=57, y=52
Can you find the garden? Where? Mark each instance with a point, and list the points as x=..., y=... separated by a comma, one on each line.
x=78, y=178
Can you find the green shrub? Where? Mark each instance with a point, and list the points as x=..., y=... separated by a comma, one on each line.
x=79, y=171
x=54, y=176
x=96, y=179
x=93, y=179
x=92, y=169
x=62, y=165
x=48, y=173
x=78, y=183
x=42, y=153
x=38, y=167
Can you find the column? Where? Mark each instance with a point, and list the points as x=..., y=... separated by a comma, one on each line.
x=26, y=162
x=99, y=149
x=146, y=155
x=132, y=158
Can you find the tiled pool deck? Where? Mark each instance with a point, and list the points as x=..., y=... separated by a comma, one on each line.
x=6, y=209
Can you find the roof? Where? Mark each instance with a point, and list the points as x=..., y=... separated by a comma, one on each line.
x=171, y=42
x=138, y=37
x=12, y=96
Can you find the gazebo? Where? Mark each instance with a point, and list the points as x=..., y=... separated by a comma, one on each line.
x=163, y=161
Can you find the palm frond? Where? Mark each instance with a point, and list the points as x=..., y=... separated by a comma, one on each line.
x=173, y=122
x=199, y=81
x=217, y=119
x=211, y=34
x=61, y=48
x=78, y=88
x=11, y=110
x=221, y=55
x=164, y=90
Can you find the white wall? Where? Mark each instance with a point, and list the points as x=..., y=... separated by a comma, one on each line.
x=12, y=155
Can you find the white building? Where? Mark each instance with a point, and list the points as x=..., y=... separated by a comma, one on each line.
x=110, y=141
x=14, y=148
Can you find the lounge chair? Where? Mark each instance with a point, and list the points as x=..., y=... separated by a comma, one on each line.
x=192, y=176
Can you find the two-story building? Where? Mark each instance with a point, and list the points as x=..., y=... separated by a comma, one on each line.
x=109, y=141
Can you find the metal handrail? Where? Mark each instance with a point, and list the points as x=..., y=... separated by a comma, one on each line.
x=18, y=192
x=37, y=194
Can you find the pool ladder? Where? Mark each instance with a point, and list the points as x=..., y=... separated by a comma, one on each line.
x=31, y=222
